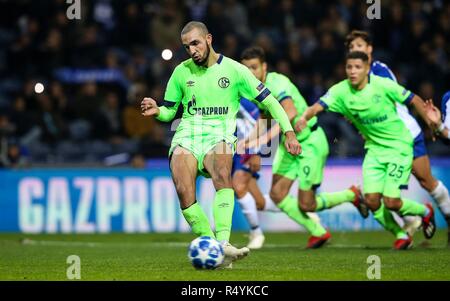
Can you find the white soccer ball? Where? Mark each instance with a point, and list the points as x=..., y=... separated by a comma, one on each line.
x=205, y=253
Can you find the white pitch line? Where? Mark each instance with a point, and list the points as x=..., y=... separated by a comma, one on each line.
x=32, y=242
x=55, y=243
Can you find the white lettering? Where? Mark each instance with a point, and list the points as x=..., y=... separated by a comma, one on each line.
x=136, y=205
x=58, y=206
x=86, y=186
x=108, y=202
x=31, y=216
x=164, y=205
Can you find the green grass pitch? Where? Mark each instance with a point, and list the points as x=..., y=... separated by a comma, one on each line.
x=164, y=257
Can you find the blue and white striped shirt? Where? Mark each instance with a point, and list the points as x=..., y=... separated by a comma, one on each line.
x=381, y=69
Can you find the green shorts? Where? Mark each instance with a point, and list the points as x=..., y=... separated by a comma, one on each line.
x=306, y=167
x=386, y=174
x=199, y=146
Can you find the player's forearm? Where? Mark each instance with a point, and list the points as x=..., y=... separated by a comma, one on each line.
x=278, y=113
x=419, y=106
x=443, y=130
x=264, y=137
x=258, y=134
x=289, y=108
x=166, y=114
x=312, y=111
x=257, y=131
x=291, y=112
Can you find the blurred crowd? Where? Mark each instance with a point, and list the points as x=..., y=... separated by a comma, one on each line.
x=96, y=70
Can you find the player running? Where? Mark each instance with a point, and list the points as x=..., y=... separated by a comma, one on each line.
x=246, y=165
x=360, y=41
x=368, y=101
x=245, y=173
x=306, y=168
x=210, y=85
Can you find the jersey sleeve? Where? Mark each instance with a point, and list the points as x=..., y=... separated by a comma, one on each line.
x=397, y=92
x=174, y=92
x=281, y=90
x=250, y=87
x=330, y=101
x=172, y=97
x=383, y=70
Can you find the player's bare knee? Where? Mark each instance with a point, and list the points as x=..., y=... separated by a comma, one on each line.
x=307, y=206
x=373, y=201
x=222, y=178
x=240, y=190
x=392, y=203
x=277, y=195
x=307, y=202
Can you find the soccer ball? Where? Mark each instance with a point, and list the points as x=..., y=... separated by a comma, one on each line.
x=205, y=253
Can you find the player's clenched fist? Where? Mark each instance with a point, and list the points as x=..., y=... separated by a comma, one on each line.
x=149, y=107
x=291, y=143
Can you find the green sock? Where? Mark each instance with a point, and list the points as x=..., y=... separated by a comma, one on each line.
x=289, y=206
x=223, y=213
x=410, y=207
x=327, y=200
x=196, y=218
x=385, y=218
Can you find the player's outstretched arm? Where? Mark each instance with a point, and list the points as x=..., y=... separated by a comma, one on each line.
x=278, y=113
x=259, y=135
x=419, y=105
x=291, y=112
x=435, y=116
x=149, y=107
x=309, y=113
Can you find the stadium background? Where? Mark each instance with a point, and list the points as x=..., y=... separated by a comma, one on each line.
x=79, y=157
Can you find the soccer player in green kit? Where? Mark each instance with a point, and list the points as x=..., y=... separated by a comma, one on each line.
x=210, y=86
x=308, y=167
x=368, y=101
x=358, y=40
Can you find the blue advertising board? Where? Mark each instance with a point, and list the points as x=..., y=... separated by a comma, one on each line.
x=144, y=200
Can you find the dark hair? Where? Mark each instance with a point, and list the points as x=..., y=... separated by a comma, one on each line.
x=357, y=55
x=195, y=24
x=354, y=34
x=254, y=52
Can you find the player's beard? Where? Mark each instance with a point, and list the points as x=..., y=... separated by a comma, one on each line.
x=204, y=60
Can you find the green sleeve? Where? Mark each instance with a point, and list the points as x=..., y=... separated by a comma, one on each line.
x=276, y=110
x=250, y=87
x=280, y=89
x=331, y=100
x=396, y=92
x=172, y=97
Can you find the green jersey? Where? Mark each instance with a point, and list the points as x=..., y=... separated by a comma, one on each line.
x=282, y=88
x=373, y=112
x=210, y=96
